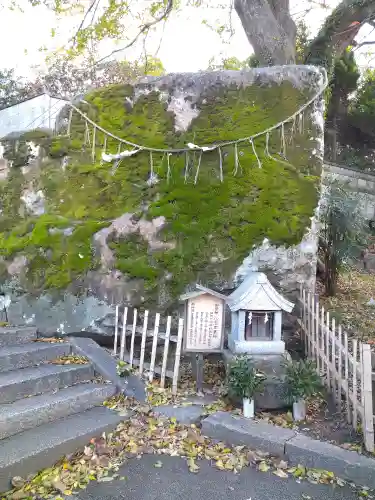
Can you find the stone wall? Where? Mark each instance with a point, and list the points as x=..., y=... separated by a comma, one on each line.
x=111, y=236
x=361, y=182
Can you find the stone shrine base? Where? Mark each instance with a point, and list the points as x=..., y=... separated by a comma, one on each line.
x=258, y=347
x=274, y=393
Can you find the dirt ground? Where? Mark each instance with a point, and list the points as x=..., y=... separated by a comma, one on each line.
x=350, y=306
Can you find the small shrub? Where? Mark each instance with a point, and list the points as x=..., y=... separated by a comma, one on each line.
x=244, y=381
x=123, y=369
x=302, y=380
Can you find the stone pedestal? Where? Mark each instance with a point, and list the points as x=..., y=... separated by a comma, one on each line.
x=258, y=347
x=274, y=393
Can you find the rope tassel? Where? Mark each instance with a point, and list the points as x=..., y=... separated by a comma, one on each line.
x=198, y=167
x=194, y=152
x=283, y=145
x=153, y=179
x=187, y=164
x=255, y=153
x=221, y=165
x=168, y=167
x=93, y=144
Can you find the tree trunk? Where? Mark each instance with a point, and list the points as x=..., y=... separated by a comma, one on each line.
x=267, y=35
x=331, y=274
x=271, y=30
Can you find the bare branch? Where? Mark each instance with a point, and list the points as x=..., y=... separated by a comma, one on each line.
x=92, y=5
x=145, y=28
x=161, y=38
x=359, y=45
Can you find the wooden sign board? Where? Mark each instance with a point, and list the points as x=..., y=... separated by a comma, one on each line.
x=204, y=324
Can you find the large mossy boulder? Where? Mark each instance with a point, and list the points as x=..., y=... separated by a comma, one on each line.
x=123, y=235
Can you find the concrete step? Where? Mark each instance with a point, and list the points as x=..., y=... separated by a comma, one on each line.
x=32, y=354
x=35, y=449
x=31, y=412
x=25, y=382
x=15, y=335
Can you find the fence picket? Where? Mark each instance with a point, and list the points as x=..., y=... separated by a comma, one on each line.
x=322, y=349
x=135, y=313
x=116, y=331
x=304, y=321
x=317, y=336
x=368, y=418
x=165, y=353
x=339, y=380
x=123, y=333
x=334, y=371
x=326, y=333
x=348, y=403
x=362, y=381
x=354, y=384
x=309, y=324
x=143, y=342
x=178, y=355
x=154, y=345
x=313, y=333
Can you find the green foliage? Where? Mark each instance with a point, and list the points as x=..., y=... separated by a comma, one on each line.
x=364, y=101
x=203, y=220
x=244, y=381
x=362, y=108
x=344, y=231
x=302, y=380
x=123, y=369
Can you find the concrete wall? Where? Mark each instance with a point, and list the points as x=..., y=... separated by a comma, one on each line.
x=361, y=182
x=40, y=112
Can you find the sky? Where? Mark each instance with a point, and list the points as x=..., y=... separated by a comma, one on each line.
x=187, y=44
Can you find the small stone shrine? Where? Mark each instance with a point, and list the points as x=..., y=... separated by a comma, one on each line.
x=256, y=309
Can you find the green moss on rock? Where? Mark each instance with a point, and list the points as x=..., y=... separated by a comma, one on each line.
x=212, y=224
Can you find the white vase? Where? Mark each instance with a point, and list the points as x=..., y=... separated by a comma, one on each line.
x=248, y=408
x=299, y=410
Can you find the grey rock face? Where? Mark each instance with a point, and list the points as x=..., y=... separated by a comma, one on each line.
x=74, y=311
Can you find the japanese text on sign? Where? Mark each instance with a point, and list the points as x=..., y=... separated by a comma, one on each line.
x=204, y=325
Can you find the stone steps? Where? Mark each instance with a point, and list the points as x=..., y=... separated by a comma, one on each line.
x=32, y=412
x=14, y=357
x=18, y=384
x=46, y=410
x=33, y=450
x=14, y=335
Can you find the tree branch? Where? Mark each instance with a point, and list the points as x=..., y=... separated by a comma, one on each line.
x=92, y=5
x=339, y=31
x=142, y=30
x=361, y=44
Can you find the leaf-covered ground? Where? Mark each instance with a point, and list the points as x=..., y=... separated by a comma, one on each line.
x=142, y=433
x=349, y=306
x=70, y=359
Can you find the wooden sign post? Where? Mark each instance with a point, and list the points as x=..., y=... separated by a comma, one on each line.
x=204, y=326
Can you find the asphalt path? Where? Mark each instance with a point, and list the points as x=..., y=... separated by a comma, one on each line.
x=173, y=481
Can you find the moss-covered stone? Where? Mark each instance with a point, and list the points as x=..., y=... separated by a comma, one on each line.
x=213, y=225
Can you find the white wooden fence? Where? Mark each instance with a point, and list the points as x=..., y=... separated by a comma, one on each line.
x=345, y=364
x=147, y=362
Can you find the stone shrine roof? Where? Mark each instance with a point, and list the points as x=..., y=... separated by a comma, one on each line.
x=257, y=294
x=202, y=290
